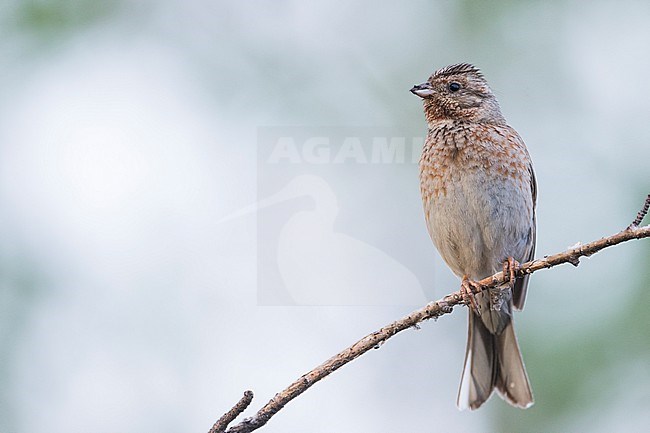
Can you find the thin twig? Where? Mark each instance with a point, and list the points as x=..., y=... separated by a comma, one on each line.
x=221, y=425
x=431, y=310
x=642, y=213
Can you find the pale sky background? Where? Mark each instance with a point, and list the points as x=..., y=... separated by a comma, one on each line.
x=130, y=130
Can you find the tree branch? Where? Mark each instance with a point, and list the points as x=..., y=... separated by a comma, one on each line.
x=222, y=423
x=642, y=213
x=429, y=311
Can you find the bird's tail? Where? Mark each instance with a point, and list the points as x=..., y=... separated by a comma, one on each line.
x=493, y=361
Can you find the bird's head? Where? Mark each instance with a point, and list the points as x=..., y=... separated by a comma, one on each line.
x=458, y=92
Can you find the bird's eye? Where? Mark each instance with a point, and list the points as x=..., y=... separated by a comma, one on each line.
x=454, y=87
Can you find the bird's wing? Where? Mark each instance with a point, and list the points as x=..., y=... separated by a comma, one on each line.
x=521, y=285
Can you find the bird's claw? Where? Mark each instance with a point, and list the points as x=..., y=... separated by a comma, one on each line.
x=468, y=290
x=510, y=268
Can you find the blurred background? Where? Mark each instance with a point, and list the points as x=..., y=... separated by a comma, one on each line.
x=130, y=131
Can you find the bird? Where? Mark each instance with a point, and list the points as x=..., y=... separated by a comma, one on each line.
x=479, y=195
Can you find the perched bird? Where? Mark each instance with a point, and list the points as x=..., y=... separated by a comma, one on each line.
x=479, y=193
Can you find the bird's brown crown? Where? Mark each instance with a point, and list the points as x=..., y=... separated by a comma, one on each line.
x=460, y=68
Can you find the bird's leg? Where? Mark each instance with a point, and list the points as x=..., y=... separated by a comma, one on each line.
x=468, y=288
x=510, y=268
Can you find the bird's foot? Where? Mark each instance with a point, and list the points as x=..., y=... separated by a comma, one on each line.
x=468, y=288
x=510, y=268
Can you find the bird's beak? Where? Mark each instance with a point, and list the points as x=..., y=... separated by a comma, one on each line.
x=423, y=90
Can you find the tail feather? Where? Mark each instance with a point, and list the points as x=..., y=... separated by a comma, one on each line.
x=493, y=361
x=512, y=381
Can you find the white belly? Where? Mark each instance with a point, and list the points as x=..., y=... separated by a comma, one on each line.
x=479, y=221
